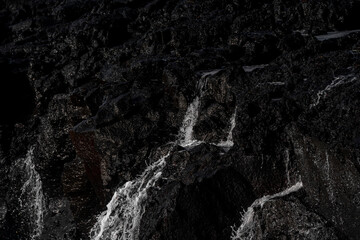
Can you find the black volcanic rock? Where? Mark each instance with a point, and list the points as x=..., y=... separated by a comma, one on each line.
x=97, y=92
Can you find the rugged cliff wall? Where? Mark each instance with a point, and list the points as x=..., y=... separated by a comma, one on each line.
x=179, y=119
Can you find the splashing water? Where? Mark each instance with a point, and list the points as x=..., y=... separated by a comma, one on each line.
x=32, y=198
x=186, y=138
x=187, y=128
x=246, y=230
x=229, y=143
x=122, y=218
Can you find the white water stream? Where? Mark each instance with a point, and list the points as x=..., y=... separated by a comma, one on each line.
x=122, y=218
x=336, y=82
x=186, y=138
x=246, y=230
x=333, y=35
x=229, y=143
x=31, y=197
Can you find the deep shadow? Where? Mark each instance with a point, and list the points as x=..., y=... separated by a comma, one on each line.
x=209, y=209
x=16, y=95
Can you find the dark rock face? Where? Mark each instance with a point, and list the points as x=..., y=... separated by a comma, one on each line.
x=305, y=224
x=93, y=93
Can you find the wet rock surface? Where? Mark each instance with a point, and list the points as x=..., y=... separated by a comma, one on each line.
x=289, y=212
x=98, y=91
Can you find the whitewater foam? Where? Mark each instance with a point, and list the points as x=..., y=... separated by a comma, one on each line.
x=246, y=230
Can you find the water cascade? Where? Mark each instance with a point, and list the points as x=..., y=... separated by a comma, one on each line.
x=229, y=143
x=122, y=218
x=186, y=138
x=31, y=197
x=246, y=230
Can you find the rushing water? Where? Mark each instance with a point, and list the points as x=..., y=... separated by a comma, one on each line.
x=229, y=143
x=246, y=230
x=187, y=129
x=122, y=218
x=31, y=197
x=186, y=138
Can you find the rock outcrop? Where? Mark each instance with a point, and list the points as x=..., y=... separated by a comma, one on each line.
x=96, y=92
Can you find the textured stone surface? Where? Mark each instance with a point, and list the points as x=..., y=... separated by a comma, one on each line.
x=98, y=87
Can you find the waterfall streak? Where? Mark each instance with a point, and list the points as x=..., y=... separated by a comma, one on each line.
x=187, y=128
x=287, y=161
x=122, y=218
x=186, y=138
x=31, y=197
x=337, y=81
x=246, y=230
x=229, y=140
x=333, y=35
